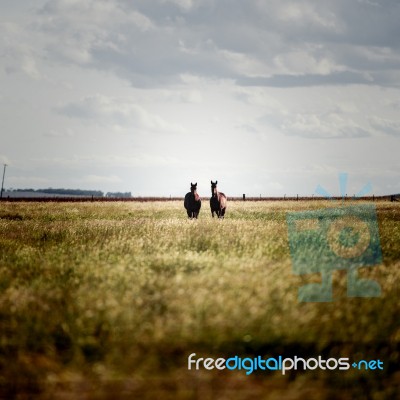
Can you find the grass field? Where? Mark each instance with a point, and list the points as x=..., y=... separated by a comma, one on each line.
x=107, y=300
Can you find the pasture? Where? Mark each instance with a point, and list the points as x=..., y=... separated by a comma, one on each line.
x=107, y=300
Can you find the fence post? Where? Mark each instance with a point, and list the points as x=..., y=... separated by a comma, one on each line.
x=244, y=197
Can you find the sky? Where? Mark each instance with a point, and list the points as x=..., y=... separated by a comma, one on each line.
x=268, y=97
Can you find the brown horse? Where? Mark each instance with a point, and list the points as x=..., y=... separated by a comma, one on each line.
x=192, y=202
x=217, y=201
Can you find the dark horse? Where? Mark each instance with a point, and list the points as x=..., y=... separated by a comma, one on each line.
x=217, y=201
x=192, y=202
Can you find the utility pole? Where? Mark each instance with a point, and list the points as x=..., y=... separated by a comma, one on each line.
x=2, y=183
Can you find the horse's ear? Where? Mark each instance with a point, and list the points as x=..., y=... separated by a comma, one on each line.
x=216, y=182
x=195, y=184
x=211, y=182
x=191, y=184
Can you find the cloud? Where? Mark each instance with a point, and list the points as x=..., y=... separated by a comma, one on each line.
x=153, y=43
x=60, y=133
x=108, y=160
x=75, y=31
x=355, y=112
x=18, y=53
x=116, y=112
x=328, y=126
x=273, y=43
x=181, y=96
x=100, y=179
x=141, y=160
x=385, y=125
x=306, y=80
x=335, y=118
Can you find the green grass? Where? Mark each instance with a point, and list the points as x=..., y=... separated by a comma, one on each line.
x=107, y=300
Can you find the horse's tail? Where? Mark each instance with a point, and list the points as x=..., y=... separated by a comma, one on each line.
x=222, y=200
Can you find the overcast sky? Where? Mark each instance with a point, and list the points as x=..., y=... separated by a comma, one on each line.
x=268, y=97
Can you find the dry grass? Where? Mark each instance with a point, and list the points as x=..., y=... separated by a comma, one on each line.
x=106, y=300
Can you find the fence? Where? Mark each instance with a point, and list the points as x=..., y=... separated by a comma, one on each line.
x=148, y=199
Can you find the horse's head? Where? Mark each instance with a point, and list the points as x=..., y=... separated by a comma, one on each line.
x=193, y=187
x=214, y=187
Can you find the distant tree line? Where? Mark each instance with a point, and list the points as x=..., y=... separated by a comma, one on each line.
x=123, y=195
x=72, y=192
x=75, y=192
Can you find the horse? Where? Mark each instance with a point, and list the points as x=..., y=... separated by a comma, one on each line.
x=192, y=202
x=218, y=201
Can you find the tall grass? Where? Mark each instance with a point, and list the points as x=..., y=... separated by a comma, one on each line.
x=109, y=299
